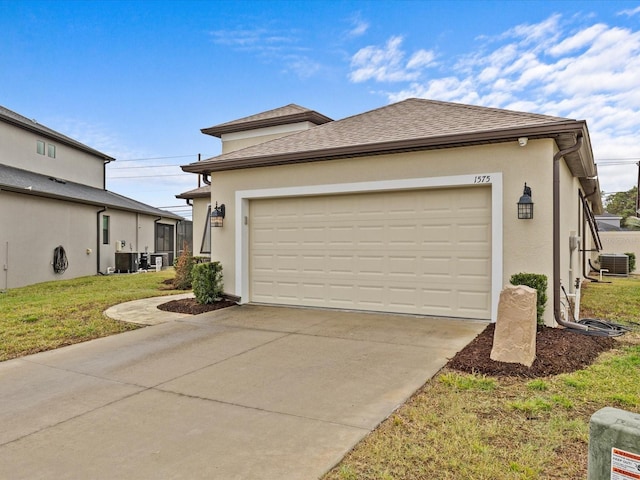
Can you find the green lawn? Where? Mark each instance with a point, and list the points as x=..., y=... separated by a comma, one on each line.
x=458, y=426
x=461, y=426
x=49, y=315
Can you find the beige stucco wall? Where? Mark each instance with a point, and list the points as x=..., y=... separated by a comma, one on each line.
x=248, y=138
x=527, y=243
x=136, y=230
x=32, y=228
x=18, y=149
x=620, y=242
x=200, y=219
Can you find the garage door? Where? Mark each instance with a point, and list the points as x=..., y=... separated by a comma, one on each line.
x=419, y=251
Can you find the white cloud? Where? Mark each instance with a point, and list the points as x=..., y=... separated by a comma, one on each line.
x=387, y=63
x=578, y=41
x=359, y=27
x=630, y=12
x=556, y=67
x=422, y=58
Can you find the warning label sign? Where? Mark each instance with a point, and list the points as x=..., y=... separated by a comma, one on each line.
x=624, y=465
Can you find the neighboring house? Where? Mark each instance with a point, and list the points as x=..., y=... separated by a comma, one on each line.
x=615, y=239
x=409, y=208
x=52, y=194
x=608, y=222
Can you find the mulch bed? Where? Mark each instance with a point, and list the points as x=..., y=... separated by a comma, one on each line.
x=558, y=350
x=191, y=306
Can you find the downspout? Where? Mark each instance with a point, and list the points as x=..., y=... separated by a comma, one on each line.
x=98, y=244
x=584, y=234
x=556, y=235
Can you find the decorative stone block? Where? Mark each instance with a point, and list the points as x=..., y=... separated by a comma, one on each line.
x=514, y=339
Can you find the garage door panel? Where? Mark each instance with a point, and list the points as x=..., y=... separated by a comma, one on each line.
x=425, y=252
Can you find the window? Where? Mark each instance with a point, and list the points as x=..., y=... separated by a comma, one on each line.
x=51, y=151
x=40, y=147
x=105, y=229
x=205, y=247
x=164, y=237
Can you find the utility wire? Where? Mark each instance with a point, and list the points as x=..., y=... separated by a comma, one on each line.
x=165, y=158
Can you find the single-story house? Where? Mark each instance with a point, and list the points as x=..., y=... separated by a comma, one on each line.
x=419, y=207
x=58, y=220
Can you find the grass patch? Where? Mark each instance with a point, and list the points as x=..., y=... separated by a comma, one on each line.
x=53, y=314
x=470, y=426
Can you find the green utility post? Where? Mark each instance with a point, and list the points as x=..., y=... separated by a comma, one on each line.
x=614, y=445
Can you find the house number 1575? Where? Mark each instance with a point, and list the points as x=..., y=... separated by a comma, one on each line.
x=482, y=179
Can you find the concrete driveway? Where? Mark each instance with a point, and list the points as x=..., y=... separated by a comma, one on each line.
x=241, y=393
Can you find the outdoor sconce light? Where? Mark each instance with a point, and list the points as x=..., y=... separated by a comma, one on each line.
x=217, y=215
x=525, y=205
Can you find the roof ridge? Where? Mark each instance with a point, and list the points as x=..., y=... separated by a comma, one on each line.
x=484, y=108
x=412, y=123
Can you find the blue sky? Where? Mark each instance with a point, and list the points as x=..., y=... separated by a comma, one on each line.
x=139, y=79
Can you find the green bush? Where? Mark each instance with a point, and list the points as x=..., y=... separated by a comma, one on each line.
x=207, y=282
x=632, y=261
x=537, y=281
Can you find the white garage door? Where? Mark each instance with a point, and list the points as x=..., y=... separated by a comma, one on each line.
x=419, y=251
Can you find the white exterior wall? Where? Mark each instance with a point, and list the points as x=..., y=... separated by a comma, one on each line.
x=18, y=149
x=527, y=244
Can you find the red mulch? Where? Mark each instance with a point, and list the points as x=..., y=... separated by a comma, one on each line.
x=558, y=350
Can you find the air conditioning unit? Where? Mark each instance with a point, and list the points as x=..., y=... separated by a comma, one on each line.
x=615, y=263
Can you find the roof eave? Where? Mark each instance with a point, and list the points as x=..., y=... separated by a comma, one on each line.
x=309, y=116
x=430, y=143
x=54, y=196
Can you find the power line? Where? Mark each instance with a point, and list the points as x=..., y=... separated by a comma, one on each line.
x=146, y=166
x=150, y=176
x=164, y=158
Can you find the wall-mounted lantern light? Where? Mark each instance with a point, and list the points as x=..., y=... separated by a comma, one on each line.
x=525, y=204
x=217, y=215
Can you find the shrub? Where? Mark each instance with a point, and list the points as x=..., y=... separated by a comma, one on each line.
x=184, y=266
x=207, y=282
x=632, y=261
x=539, y=282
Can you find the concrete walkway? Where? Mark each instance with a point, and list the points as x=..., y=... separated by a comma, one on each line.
x=248, y=392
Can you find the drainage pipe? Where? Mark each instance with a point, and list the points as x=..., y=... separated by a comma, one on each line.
x=556, y=235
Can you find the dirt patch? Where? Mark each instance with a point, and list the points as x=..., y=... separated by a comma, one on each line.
x=191, y=306
x=558, y=350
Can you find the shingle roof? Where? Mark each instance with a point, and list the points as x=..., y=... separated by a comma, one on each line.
x=288, y=114
x=18, y=120
x=412, y=124
x=18, y=180
x=200, y=192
